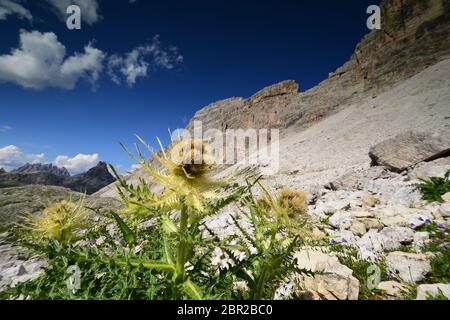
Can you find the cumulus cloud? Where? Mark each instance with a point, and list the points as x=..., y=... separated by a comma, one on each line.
x=13, y=7
x=78, y=164
x=12, y=157
x=89, y=9
x=40, y=61
x=141, y=60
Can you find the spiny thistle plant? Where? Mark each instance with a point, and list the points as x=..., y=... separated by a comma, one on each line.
x=59, y=221
x=189, y=190
x=268, y=247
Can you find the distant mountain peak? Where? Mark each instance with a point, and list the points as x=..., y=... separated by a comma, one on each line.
x=47, y=174
x=39, y=168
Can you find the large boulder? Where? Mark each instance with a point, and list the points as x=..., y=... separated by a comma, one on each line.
x=425, y=170
x=334, y=281
x=410, y=148
x=425, y=291
x=409, y=267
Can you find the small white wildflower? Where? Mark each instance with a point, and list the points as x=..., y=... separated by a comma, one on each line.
x=239, y=255
x=253, y=250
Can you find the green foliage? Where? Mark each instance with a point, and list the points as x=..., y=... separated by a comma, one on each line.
x=101, y=277
x=440, y=267
x=433, y=188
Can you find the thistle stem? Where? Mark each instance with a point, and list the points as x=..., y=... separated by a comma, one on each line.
x=182, y=247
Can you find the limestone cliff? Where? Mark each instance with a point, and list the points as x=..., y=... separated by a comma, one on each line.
x=415, y=34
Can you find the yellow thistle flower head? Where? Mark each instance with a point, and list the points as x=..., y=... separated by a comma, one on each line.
x=59, y=221
x=192, y=157
x=184, y=178
x=294, y=202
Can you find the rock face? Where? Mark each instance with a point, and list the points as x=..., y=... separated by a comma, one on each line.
x=39, y=167
x=89, y=182
x=269, y=108
x=410, y=148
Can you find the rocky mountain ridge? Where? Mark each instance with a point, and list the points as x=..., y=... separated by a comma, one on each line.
x=90, y=182
x=42, y=168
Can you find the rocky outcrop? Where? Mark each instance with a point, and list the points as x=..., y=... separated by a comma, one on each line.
x=42, y=168
x=409, y=149
x=269, y=108
x=88, y=182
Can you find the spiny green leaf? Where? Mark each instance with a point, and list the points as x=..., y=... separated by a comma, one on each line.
x=193, y=291
x=128, y=234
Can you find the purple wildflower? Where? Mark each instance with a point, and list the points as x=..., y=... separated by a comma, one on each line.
x=412, y=225
x=441, y=226
x=428, y=221
x=344, y=240
x=420, y=219
x=333, y=241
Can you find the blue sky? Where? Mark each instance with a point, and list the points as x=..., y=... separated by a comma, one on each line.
x=85, y=103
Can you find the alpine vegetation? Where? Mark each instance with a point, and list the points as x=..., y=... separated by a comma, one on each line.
x=159, y=246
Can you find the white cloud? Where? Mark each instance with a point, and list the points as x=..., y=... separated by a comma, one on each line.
x=12, y=157
x=11, y=7
x=40, y=62
x=5, y=128
x=135, y=166
x=138, y=62
x=78, y=164
x=89, y=9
